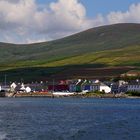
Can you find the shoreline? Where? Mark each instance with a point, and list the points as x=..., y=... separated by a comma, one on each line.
x=50, y=95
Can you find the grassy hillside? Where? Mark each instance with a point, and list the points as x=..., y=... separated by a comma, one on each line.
x=113, y=45
x=120, y=57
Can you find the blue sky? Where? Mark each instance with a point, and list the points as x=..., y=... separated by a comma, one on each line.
x=29, y=21
x=104, y=7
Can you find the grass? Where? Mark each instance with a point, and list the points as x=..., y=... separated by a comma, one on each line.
x=113, y=45
x=133, y=93
x=120, y=57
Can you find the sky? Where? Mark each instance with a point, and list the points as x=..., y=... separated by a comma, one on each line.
x=30, y=21
x=94, y=7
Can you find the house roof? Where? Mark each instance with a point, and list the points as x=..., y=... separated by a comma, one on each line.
x=132, y=73
x=134, y=82
x=102, y=84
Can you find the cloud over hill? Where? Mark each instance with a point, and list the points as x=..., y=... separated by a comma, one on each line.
x=26, y=21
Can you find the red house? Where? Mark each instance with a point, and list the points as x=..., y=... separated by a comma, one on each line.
x=58, y=88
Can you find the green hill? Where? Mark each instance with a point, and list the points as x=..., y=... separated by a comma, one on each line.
x=112, y=45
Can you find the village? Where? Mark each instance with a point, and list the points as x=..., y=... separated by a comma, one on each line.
x=69, y=88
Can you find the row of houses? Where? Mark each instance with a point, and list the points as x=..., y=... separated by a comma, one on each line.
x=96, y=85
x=89, y=86
x=75, y=86
x=15, y=88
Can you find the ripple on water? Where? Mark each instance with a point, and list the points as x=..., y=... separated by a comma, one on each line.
x=3, y=136
x=69, y=119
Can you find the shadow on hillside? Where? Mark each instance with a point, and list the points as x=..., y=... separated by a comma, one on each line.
x=63, y=72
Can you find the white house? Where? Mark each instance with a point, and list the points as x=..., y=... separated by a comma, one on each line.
x=22, y=87
x=5, y=88
x=13, y=86
x=95, y=87
x=98, y=86
x=105, y=88
x=28, y=89
x=134, y=86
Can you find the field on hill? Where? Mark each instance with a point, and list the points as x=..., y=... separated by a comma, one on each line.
x=101, y=47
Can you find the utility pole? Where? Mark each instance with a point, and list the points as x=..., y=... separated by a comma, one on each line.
x=53, y=85
x=5, y=78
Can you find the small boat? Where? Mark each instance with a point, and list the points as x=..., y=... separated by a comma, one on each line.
x=63, y=93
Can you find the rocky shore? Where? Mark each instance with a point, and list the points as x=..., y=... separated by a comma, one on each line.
x=33, y=95
x=76, y=95
x=101, y=95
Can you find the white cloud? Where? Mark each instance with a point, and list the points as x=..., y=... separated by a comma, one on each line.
x=132, y=15
x=25, y=21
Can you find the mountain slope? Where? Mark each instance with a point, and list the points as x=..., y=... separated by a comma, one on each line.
x=112, y=45
x=94, y=40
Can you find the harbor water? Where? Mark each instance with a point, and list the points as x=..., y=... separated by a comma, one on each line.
x=69, y=119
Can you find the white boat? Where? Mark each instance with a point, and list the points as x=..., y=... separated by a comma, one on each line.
x=63, y=93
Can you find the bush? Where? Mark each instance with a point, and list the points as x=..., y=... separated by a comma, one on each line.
x=133, y=93
x=96, y=92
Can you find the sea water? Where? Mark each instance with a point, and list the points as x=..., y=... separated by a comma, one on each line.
x=69, y=119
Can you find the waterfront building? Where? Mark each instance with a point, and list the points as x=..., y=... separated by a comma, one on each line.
x=105, y=88
x=134, y=86
x=72, y=87
x=58, y=88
